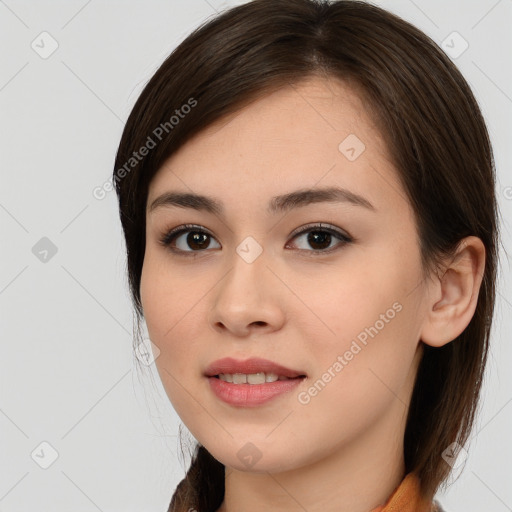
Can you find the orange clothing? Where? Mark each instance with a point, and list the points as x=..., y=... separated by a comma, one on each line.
x=406, y=498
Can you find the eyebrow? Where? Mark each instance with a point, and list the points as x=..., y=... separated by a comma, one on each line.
x=277, y=204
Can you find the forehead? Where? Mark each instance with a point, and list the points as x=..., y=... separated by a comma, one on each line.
x=328, y=105
x=299, y=136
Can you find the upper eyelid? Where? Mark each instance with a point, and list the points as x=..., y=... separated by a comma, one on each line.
x=320, y=226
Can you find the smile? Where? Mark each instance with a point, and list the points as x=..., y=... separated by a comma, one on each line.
x=251, y=378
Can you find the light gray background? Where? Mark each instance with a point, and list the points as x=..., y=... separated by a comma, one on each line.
x=68, y=375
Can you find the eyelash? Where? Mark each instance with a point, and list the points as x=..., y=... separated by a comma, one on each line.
x=171, y=235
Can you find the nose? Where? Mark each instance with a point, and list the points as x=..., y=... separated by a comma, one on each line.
x=248, y=300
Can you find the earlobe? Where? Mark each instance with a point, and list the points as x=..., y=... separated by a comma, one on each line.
x=454, y=294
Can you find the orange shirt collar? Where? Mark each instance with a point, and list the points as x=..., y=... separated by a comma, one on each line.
x=406, y=497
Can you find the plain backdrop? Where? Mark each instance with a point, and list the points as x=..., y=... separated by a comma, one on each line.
x=81, y=429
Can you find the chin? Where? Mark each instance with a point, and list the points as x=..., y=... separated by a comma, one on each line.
x=249, y=458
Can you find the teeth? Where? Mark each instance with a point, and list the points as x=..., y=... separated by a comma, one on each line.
x=253, y=378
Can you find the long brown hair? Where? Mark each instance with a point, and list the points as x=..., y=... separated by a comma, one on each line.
x=434, y=130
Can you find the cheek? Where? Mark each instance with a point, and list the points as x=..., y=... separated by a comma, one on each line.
x=360, y=378
x=368, y=334
x=165, y=305
x=164, y=296
x=174, y=316
x=153, y=298
x=355, y=302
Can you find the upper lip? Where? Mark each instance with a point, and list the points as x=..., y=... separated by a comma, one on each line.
x=252, y=365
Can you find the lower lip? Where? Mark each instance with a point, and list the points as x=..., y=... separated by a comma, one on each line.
x=251, y=395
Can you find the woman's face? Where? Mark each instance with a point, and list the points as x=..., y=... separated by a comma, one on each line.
x=341, y=304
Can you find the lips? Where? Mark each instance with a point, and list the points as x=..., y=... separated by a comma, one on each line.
x=250, y=366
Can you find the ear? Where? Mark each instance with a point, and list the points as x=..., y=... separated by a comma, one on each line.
x=453, y=296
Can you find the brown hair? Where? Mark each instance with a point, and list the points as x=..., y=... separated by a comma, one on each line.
x=436, y=135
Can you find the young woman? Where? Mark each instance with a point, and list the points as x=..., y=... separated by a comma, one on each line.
x=307, y=194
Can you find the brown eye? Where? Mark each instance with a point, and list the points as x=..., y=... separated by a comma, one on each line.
x=320, y=238
x=197, y=239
